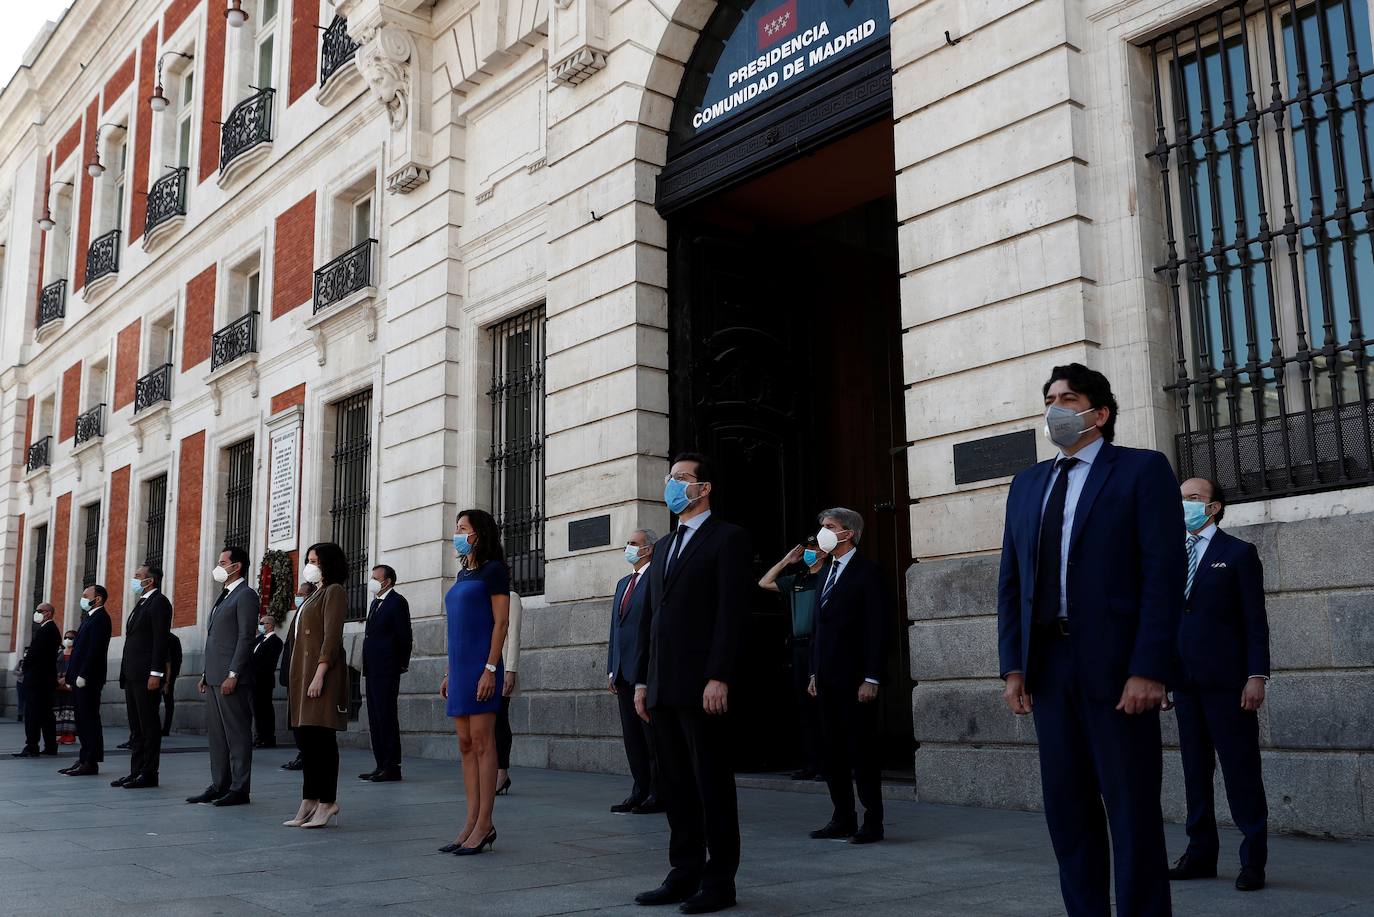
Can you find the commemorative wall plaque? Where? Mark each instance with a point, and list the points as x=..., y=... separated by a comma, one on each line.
x=993, y=457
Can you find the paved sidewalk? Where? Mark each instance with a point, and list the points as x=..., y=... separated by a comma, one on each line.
x=77, y=846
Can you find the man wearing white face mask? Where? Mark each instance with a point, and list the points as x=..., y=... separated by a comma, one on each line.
x=1088, y=602
x=228, y=682
x=387, y=642
x=40, y=685
x=626, y=610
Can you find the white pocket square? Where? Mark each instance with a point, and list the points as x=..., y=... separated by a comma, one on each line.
x=1219, y=565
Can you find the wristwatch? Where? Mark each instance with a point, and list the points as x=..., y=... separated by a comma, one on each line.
x=491, y=668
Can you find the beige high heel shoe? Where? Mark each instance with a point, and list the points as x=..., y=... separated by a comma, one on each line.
x=319, y=821
x=303, y=815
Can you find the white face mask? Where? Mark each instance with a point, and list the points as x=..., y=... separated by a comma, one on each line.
x=374, y=586
x=38, y=617
x=67, y=642
x=219, y=574
x=311, y=574
x=826, y=540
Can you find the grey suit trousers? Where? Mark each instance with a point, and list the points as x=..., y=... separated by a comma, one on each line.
x=228, y=723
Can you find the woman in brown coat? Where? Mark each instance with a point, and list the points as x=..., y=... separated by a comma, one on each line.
x=318, y=690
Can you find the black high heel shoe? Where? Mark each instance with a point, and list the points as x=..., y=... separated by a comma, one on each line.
x=503, y=789
x=488, y=841
x=450, y=848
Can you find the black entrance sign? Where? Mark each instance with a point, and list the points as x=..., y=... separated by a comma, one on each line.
x=993, y=457
x=589, y=533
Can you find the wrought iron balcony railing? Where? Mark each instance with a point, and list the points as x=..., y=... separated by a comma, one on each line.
x=346, y=274
x=40, y=454
x=236, y=339
x=154, y=387
x=249, y=124
x=338, y=49
x=90, y=424
x=166, y=199
x=52, y=303
x=102, y=258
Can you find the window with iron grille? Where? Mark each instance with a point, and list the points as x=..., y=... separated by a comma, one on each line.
x=238, y=495
x=40, y=565
x=517, y=445
x=1263, y=146
x=155, y=521
x=91, y=556
x=348, y=510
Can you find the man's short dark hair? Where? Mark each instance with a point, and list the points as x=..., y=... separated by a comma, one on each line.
x=706, y=469
x=389, y=573
x=238, y=555
x=100, y=592
x=1218, y=496
x=154, y=573
x=1092, y=385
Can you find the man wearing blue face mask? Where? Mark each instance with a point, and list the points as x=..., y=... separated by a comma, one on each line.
x=627, y=609
x=1223, y=653
x=1088, y=603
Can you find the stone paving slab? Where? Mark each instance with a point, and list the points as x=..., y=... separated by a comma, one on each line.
x=77, y=846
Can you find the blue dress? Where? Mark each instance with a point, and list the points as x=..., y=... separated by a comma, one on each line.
x=470, y=621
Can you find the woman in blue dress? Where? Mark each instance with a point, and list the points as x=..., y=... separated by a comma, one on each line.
x=478, y=612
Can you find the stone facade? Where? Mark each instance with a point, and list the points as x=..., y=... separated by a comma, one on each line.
x=509, y=149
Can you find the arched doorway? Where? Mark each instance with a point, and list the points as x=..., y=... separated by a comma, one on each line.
x=785, y=332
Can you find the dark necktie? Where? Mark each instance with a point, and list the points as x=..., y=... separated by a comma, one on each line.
x=830, y=581
x=629, y=591
x=677, y=546
x=1051, y=547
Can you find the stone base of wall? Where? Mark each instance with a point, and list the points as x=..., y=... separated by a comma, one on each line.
x=1316, y=727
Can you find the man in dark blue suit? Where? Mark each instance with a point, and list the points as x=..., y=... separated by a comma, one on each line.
x=627, y=609
x=1088, y=603
x=387, y=641
x=1223, y=653
x=86, y=675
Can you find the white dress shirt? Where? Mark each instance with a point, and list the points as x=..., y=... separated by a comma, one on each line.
x=1078, y=476
x=683, y=538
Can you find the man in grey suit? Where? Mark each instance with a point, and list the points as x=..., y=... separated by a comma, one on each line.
x=227, y=682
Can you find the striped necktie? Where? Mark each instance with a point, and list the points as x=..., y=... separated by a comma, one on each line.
x=830, y=581
x=1192, y=563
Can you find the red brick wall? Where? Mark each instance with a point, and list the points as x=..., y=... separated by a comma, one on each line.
x=283, y=400
x=178, y=10
x=117, y=542
x=71, y=402
x=293, y=257
x=28, y=426
x=83, y=220
x=57, y=593
x=305, y=47
x=212, y=83
x=119, y=81
x=68, y=143
x=18, y=575
x=126, y=363
x=200, y=319
x=143, y=133
x=190, y=483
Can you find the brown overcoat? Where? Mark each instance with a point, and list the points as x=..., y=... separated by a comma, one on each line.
x=319, y=638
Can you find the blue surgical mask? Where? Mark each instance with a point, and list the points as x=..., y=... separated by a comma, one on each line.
x=85, y=604
x=675, y=495
x=137, y=586
x=809, y=557
x=462, y=545
x=631, y=554
x=1194, y=515
x=300, y=600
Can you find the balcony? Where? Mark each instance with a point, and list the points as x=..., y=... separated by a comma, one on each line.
x=248, y=126
x=90, y=425
x=40, y=454
x=337, y=50
x=52, y=303
x=154, y=388
x=346, y=275
x=236, y=339
x=166, y=200
x=102, y=258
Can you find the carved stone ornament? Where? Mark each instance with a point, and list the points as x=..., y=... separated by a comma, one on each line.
x=578, y=42
x=384, y=60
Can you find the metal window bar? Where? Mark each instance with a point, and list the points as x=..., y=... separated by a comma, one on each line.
x=40, y=454
x=153, y=387
x=90, y=424
x=336, y=48
x=91, y=558
x=102, y=258
x=236, y=339
x=348, y=511
x=249, y=124
x=345, y=275
x=166, y=199
x=1275, y=248
x=40, y=565
x=238, y=496
x=155, y=521
x=52, y=303
x=517, y=445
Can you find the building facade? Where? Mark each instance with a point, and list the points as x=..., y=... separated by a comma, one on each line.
x=281, y=271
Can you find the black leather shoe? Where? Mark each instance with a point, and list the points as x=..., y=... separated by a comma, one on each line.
x=665, y=894
x=704, y=902
x=209, y=795
x=386, y=776
x=369, y=775
x=120, y=781
x=833, y=830
x=1250, y=879
x=25, y=753
x=1192, y=868
x=49, y=752
x=140, y=783
x=124, y=745
x=232, y=798
x=868, y=834
x=293, y=765
x=622, y=808
x=650, y=806
x=82, y=770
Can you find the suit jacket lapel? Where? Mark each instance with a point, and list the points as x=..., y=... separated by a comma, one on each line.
x=1098, y=472
x=1215, y=553
x=693, y=543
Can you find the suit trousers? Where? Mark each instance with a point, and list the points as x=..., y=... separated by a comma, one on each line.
x=851, y=752
x=383, y=719
x=88, y=728
x=505, y=738
x=40, y=717
x=229, y=728
x=808, y=709
x=319, y=763
x=264, y=713
x=167, y=698
x=1212, y=725
x=639, y=739
x=1091, y=754
x=145, y=732
x=697, y=786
